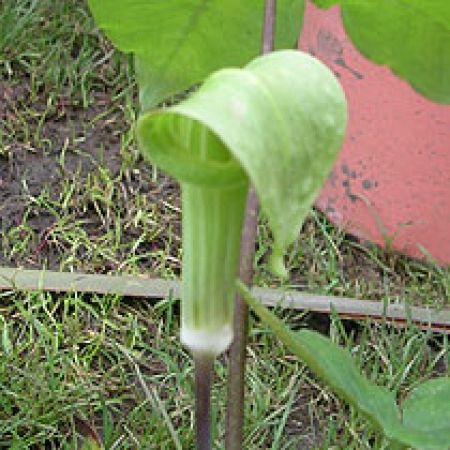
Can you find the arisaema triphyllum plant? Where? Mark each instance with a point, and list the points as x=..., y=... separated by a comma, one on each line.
x=276, y=123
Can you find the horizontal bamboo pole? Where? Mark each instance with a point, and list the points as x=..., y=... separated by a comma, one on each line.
x=141, y=286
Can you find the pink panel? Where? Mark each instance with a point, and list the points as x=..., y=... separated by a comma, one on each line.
x=392, y=179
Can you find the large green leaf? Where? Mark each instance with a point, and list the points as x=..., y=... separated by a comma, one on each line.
x=282, y=119
x=426, y=414
x=179, y=42
x=412, y=37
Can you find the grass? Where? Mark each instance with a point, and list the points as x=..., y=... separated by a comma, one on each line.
x=80, y=199
x=118, y=364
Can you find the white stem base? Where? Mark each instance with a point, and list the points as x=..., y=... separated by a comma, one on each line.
x=205, y=341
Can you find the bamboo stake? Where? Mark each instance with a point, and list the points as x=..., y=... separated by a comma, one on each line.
x=399, y=313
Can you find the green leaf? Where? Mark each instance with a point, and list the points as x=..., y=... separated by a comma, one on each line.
x=412, y=37
x=282, y=119
x=426, y=414
x=332, y=364
x=428, y=408
x=177, y=43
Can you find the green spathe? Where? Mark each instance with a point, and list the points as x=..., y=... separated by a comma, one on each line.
x=277, y=123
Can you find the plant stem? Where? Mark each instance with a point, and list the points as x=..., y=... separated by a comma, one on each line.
x=234, y=432
x=269, y=26
x=203, y=375
x=236, y=373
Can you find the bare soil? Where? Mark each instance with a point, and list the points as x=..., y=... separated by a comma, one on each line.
x=73, y=143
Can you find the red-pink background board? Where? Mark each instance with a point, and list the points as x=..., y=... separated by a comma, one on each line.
x=391, y=182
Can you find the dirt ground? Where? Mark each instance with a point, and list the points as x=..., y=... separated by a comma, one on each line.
x=72, y=152
x=40, y=167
